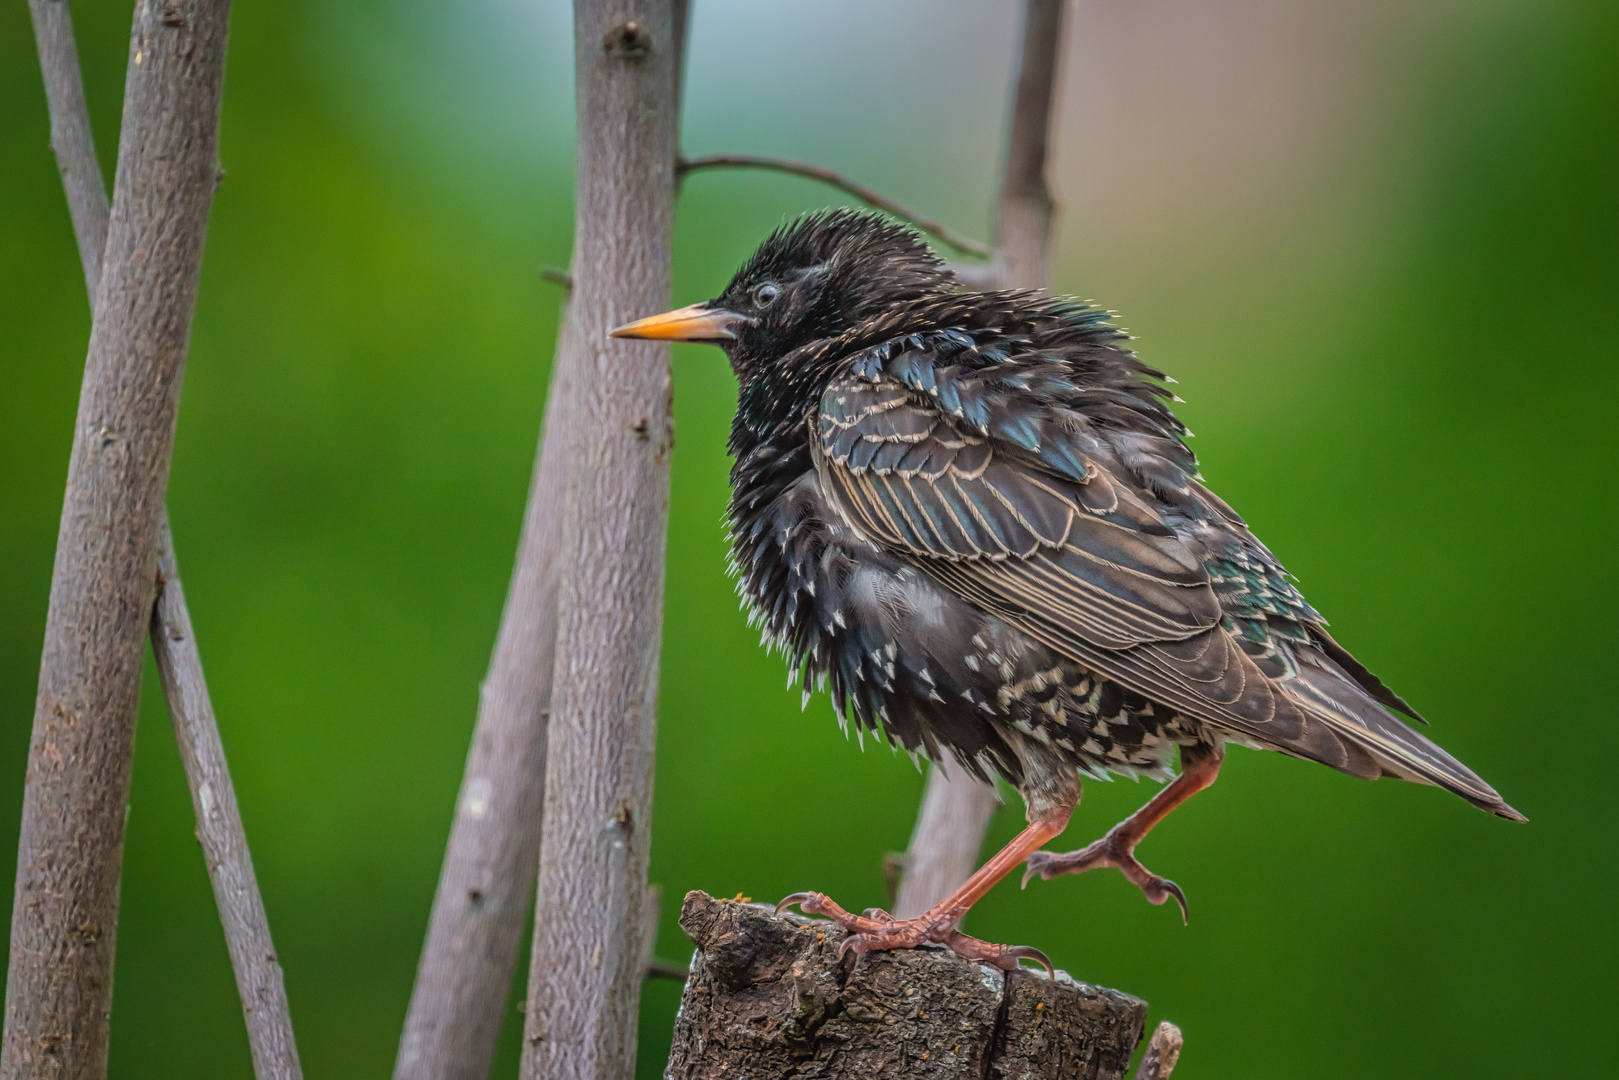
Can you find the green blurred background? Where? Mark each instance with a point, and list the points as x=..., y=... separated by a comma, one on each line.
x=1378, y=244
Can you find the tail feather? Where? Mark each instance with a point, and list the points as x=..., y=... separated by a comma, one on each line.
x=1327, y=694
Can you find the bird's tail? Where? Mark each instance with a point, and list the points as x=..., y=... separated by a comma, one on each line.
x=1327, y=694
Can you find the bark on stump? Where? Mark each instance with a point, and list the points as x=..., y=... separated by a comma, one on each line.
x=767, y=998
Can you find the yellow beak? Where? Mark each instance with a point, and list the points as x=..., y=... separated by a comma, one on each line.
x=699, y=322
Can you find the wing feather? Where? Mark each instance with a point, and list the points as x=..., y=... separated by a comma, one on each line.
x=1073, y=547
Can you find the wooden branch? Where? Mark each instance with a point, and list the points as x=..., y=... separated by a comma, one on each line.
x=949, y=833
x=1023, y=225
x=956, y=808
x=76, y=789
x=842, y=183
x=1163, y=1051
x=588, y=958
x=75, y=150
x=559, y=277
x=219, y=827
x=768, y=996
x=476, y=928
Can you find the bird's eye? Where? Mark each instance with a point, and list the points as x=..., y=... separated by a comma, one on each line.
x=766, y=294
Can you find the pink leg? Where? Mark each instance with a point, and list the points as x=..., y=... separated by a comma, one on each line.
x=878, y=931
x=1117, y=848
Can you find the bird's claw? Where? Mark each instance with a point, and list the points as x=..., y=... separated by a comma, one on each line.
x=878, y=931
x=1108, y=851
x=1159, y=889
x=1038, y=865
x=805, y=901
x=1005, y=957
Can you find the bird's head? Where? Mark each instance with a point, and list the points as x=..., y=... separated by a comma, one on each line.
x=811, y=279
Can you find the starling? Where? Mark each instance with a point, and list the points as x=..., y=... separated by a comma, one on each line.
x=973, y=519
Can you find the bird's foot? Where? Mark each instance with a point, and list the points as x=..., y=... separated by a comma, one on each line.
x=1111, y=850
x=878, y=931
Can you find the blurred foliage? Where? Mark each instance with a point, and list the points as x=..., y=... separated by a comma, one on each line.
x=1406, y=390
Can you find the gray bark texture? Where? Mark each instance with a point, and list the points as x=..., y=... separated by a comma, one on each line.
x=75, y=150
x=478, y=912
x=70, y=851
x=956, y=808
x=1023, y=225
x=587, y=961
x=489, y=865
x=219, y=827
x=769, y=997
x=1163, y=1051
x=174, y=647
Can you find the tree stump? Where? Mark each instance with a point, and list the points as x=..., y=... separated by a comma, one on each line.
x=768, y=997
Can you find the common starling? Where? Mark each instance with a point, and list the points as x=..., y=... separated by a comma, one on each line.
x=972, y=517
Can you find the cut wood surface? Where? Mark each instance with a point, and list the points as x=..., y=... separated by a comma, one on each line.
x=76, y=788
x=769, y=997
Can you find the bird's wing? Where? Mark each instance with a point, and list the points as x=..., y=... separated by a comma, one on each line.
x=1082, y=561
x=1002, y=504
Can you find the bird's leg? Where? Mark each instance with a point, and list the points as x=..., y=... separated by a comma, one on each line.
x=1199, y=767
x=877, y=930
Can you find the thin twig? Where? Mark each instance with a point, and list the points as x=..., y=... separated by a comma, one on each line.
x=842, y=183
x=668, y=969
x=956, y=808
x=71, y=142
x=219, y=824
x=1162, y=1052
x=219, y=827
x=557, y=276
x=69, y=858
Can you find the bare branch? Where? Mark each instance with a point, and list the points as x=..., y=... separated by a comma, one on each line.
x=943, y=852
x=219, y=827
x=70, y=133
x=956, y=808
x=588, y=959
x=179, y=664
x=664, y=969
x=476, y=928
x=557, y=276
x=70, y=851
x=843, y=184
x=494, y=846
x=1023, y=226
x=1159, y=1059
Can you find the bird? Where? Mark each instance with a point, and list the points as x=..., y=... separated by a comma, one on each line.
x=973, y=520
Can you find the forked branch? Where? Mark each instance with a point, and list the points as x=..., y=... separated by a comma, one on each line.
x=219, y=823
